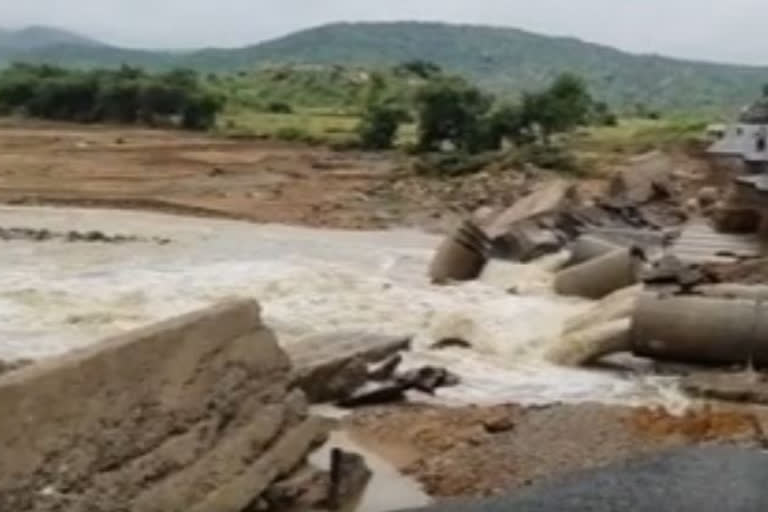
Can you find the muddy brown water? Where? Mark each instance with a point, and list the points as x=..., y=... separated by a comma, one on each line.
x=57, y=296
x=387, y=490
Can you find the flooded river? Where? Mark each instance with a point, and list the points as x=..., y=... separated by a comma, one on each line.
x=56, y=296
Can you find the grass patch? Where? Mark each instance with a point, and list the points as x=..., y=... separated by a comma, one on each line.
x=600, y=147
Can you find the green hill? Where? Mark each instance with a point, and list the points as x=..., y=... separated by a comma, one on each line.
x=38, y=37
x=505, y=60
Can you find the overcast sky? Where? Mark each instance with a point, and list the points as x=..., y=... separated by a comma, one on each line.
x=721, y=30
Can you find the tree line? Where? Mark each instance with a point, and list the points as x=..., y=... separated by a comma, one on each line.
x=127, y=95
x=451, y=111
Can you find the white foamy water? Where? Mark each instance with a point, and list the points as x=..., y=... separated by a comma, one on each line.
x=56, y=296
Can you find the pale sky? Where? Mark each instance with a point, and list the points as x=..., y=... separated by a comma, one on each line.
x=724, y=30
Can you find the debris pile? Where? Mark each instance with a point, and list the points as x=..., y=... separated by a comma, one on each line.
x=355, y=369
x=43, y=235
x=664, y=293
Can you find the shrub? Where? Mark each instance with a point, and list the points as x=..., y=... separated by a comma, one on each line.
x=279, y=107
x=449, y=110
x=378, y=126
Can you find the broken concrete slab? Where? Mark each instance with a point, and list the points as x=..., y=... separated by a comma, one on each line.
x=349, y=475
x=427, y=379
x=329, y=366
x=385, y=369
x=161, y=418
x=644, y=178
x=548, y=198
x=374, y=394
x=526, y=241
x=671, y=270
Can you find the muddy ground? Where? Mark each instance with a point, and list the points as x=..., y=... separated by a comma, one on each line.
x=487, y=451
x=256, y=180
x=47, y=163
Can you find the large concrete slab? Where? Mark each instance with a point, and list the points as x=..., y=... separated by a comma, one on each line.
x=158, y=419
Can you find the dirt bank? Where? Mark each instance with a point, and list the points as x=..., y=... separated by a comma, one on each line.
x=75, y=165
x=480, y=451
x=257, y=180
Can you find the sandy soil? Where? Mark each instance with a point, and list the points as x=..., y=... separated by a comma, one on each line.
x=47, y=163
x=481, y=451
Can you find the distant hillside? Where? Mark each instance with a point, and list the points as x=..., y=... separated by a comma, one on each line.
x=504, y=59
x=36, y=38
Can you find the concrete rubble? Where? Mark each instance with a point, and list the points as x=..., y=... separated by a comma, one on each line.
x=196, y=413
x=668, y=291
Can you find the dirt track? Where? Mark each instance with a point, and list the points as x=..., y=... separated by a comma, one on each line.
x=47, y=163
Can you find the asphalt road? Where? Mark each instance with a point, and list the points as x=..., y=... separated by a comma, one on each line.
x=709, y=479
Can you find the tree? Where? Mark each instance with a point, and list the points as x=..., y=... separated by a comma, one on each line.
x=559, y=108
x=200, y=111
x=126, y=95
x=602, y=115
x=506, y=122
x=450, y=110
x=379, y=124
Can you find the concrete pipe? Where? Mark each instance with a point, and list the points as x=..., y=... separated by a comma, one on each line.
x=701, y=329
x=461, y=256
x=588, y=247
x=598, y=277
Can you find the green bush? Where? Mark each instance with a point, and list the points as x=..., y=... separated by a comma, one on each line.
x=450, y=110
x=279, y=107
x=127, y=95
x=378, y=126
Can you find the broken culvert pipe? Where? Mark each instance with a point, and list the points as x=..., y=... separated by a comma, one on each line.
x=588, y=247
x=462, y=255
x=701, y=329
x=598, y=277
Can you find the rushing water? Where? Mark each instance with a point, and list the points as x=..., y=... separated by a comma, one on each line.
x=56, y=296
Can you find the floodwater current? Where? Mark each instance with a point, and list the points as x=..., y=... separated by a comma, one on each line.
x=56, y=296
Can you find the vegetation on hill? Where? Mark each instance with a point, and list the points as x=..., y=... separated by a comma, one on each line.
x=504, y=60
x=128, y=95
